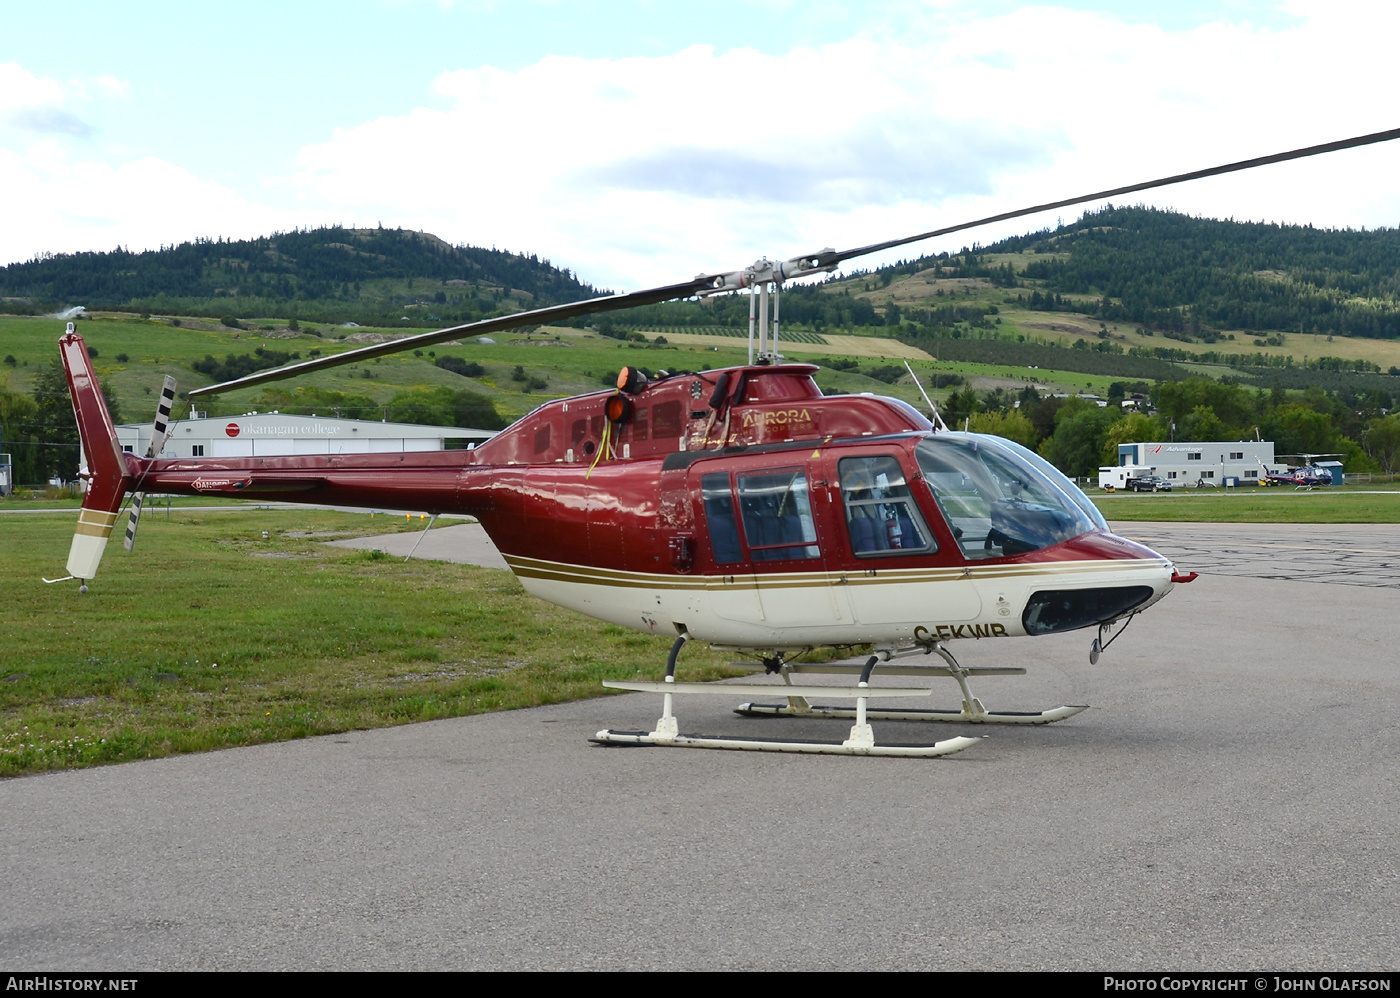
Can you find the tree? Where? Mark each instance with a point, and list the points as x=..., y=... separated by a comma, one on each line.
x=960, y=405
x=1080, y=432
x=466, y=368
x=17, y=412
x=1135, y=427
x=1382, y=442
x=55, y=434
x=307, y=400
x=1232, y=405
x=1013, y=425
x=1299, y=429
x=1201, y=423
x=441, y=406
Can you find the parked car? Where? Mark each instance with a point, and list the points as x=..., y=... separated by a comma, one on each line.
x=1149, y=483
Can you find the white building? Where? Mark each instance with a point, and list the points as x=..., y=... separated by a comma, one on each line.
x=1230, y=462
x=268, y=434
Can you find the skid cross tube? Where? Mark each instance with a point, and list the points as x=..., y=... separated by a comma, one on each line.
x=972, y=711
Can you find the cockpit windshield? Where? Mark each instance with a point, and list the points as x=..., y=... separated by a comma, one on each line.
x=999, y=499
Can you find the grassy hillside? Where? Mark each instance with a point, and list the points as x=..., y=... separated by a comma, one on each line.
x=1148, y=291
x=133, y=354
x=383, y=276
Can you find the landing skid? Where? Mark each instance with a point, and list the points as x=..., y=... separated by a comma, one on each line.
x=860, y=741
x=945, y=747
x=964, y=716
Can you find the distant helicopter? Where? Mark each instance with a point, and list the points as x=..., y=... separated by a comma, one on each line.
x=1306, y=476
x=739, y=507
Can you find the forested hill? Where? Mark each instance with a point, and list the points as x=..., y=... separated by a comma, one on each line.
x=1159, y=269
x=1172, y=271
x=329, y=273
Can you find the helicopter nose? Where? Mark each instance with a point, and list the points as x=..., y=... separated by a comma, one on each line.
x=1050, y=611
x=1118, y=577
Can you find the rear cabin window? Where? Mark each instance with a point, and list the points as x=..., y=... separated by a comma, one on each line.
x=777, y=513
x=639, y=425
x=720, y=519
x=881, y=516
x=542, y=439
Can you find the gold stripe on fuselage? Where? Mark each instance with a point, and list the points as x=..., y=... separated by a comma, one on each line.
x=553, y=571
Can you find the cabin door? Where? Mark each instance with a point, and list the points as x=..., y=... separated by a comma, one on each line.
x=769, y=534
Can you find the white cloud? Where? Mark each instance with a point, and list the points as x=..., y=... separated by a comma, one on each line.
x=56, y=203
x=30, y=104
x=61, y=197
x=636, y=171
x=642, y=170
x=115, y=86
x=21, y=89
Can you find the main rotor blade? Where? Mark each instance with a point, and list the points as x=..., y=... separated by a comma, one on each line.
x=538, y=316
x=826, y=259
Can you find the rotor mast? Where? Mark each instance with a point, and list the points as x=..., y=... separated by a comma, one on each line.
x=763, y=278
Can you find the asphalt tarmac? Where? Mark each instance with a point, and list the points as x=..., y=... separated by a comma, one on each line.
x=1229, y=803
x=462, y=542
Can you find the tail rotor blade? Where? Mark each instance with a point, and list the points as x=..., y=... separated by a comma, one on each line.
x=133, y=520
x=160, y=432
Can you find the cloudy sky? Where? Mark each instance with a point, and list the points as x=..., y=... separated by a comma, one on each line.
x=642, y=142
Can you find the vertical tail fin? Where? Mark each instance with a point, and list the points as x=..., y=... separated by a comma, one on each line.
x=107, y=469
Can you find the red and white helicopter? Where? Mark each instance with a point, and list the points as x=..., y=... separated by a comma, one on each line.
x=738, y=507
x=1307, y=476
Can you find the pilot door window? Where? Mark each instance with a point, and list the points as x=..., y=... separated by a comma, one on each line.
x=881, y=517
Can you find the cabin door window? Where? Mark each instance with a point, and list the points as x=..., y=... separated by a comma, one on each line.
x=777, y=512
x=720, y=521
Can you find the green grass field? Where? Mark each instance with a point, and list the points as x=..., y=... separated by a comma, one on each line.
x=568, y=361
x=209, y=637
x=1378, y=503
